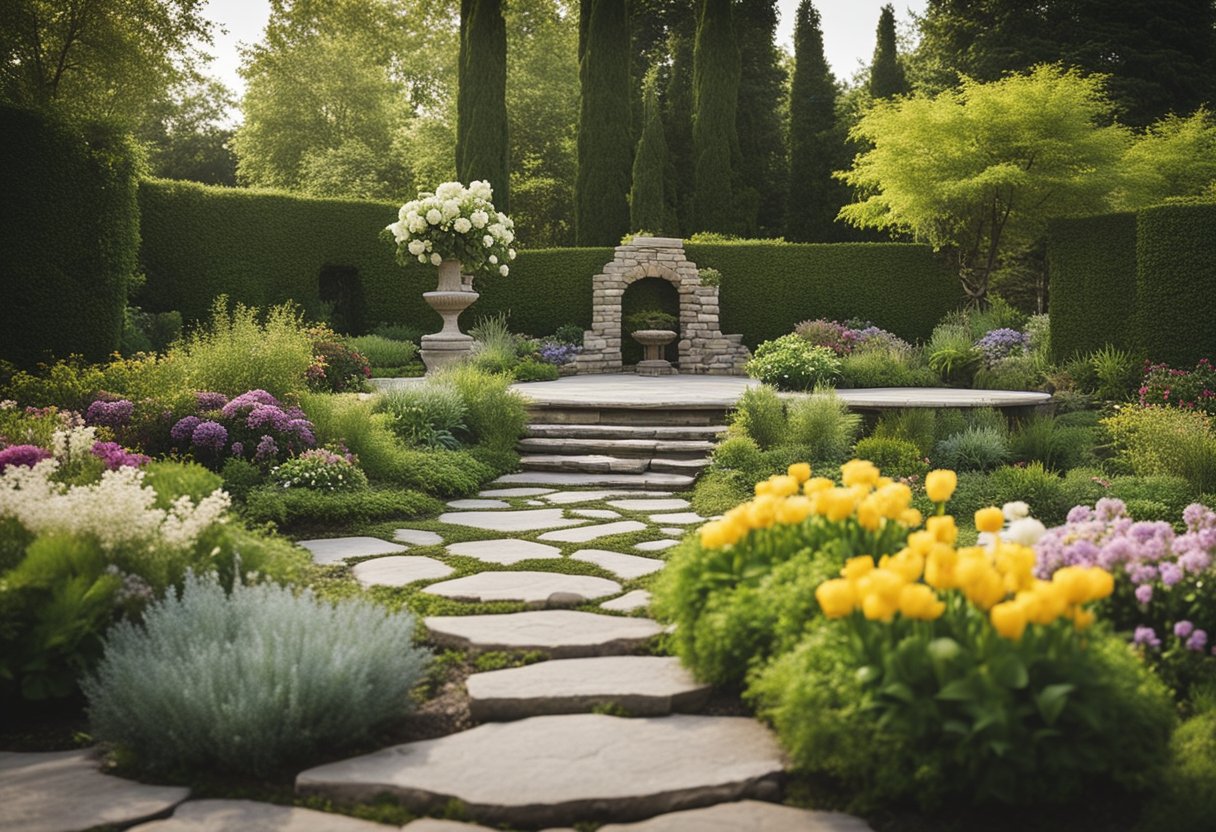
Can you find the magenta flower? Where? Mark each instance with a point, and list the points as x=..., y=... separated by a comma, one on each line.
x=27, y=455
x=114, y=414
x=210, y=436
x=1146, y=637
x=1197, y=641
x=1182, y=629
x=1144, y=593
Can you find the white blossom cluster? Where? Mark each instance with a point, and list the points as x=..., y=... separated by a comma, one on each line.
x=73, y=445
x=458, y=223
x=119, y=511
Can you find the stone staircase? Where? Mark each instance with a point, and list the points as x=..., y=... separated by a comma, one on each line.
x=620, y=447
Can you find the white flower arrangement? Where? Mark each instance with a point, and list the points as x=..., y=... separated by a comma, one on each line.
x=456, y=223
x=1020, y=527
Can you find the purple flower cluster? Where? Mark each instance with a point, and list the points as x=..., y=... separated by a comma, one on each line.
x=27, y=455
x=207, y=402
x=247, y=401
x=844, y=338
x=255, y=423
x=210, y=437
x=872, y=337
x=558, y=353
x=115, y=456
x=115, y=414
x=999, y=344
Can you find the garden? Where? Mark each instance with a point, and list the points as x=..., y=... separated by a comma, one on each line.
x=274, y=552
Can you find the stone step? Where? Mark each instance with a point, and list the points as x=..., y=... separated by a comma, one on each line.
x=640, y=685
x=536, y=589
x=637, y=416
x=662, y=432
x=746, y=814
x=558, y=770
x=561, y=634
x=673, y=448
x=692, y=467
x=566, y=479
x=583, y=463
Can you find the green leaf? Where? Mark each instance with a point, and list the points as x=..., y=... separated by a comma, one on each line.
x=960, y=690
x=944, y=649
x=868, y=675
x=1009, y=671
x=1051, y=701
x=900, y=691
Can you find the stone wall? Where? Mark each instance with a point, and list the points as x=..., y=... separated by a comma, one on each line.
x=702, y=346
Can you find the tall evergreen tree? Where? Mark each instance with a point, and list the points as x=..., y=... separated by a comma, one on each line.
x=677, y=114
x=648, y=208
x=886, y=75
x=716, y=68
x=762, y=174
x=605, y=146
x=814, y=196
x=482, y=149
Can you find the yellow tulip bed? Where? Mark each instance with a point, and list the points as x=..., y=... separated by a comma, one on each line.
x=907, y=668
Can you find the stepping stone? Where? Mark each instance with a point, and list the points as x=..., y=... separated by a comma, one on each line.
x=627, y=567
x=656, y=545
x=400, y=570
x=64, y=791
x=639, y=599
x=505, y=552
x=551, y=769
x=515, y=492
x=746, y=814
x=418, y=537
x=247, y=815
x=566, y=479
x=595, y=513
x=568, y=497
x=583, y=463
x=539, y=589
x=534, y=503
x=642, y=685
x=475, y=504
x=685, y=519
x=673, y=532
x=510, y=521
x=650, y=505
x=562, y=634
x=593, y=532
x=335, y=549
x=439, y=825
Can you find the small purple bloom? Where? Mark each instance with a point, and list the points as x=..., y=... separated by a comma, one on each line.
x=1146, y=637
x=1182, y=629
x=303, y=429
x=210, y=401
x=27, y=455
x=1144, y=593
x=238, y=449
x=267, y=449
x=266, y=416
x=1080, y=514
x=114, y=456
x=1197, y=641
x=246, y=401
x=184, y=429
x=114, y=414
x=210, y=436
x=1171, y=574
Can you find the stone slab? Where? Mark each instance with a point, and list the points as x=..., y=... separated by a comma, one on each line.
x=510, y=521
x=639, y=599
x=751, y=815
x=587, y=533
x=250, y=816
x=656, y=545
x=505, y=552
x=562, y=634
x=583, y=463
x=439, y=825
x=335, y=549
x=64, y=791
x=418, y=537
x=641, y=685
x=571, y=497
x=687, y=518
x=515, y=492
x=627, y=567
x=541, y=589
x=672, y=532
x=399, y=570
x=569, y=480
x=636, y=504
x=478, y=504
x=595, y=513
x=560, y=769
x=657, y=432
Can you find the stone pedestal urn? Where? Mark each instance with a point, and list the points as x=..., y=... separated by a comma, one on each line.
x=453, y=296
x=653, y=340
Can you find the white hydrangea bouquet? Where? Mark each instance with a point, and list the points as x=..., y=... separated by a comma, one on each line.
x=456, y=223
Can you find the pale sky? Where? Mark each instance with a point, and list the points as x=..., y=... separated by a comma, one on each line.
x=848, y=30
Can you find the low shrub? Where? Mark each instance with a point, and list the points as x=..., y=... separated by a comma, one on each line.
x=716, y=492
x=255, y=682
x=952, y=355
x=1056, y=445
x=760, y=413
x=975, y=449
x=536, y=371
x=495, y=348
x=337, y=367
x=1032, y=484
x=831, y=334
x=896, y=457
x=1188, y=389
x=297, y=508
x=1020, y=372
x=791, y=363
x=651, y=319
x=1166, y=440
x=398, y=332
x=496, y=416
x=914, y=424
x=320, y=469
x=822, y=426
x=240, y=477
x=883, y=367
x=1116, y=373
x=70, y=384
x=425, y=415
x=385, y=352
x=1186, y=802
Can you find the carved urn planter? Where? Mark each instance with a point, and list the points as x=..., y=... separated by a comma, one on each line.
x=653, y=341
x=453, y=295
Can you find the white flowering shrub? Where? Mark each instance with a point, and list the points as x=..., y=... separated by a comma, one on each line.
x=458, y=223
x=251, y=682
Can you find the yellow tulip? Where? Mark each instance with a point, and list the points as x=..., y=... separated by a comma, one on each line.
x=943, y=529
x=1101, y=583
x=883, y=482
x=858, y=567
x=859, y=472
x=816, y=484
x=911, y=518
x=1009, y=619
x=876, y=608
x=837, y=598
x=838, y=503
x=1043, y=603
x=919, y=602
x=800, y=471
x=1083, y=619
x=990, y=520
x=939, y=567
x=940, y=485
x=794, y=510
x=894, y=499
x=713, y=534
x=1074, y=582
x=907, y=563
x=869, y=515
x=884, y=583
x=763, y=488
x=979, y=581
x=784, y=486
x=921, y=541
x=762, y=512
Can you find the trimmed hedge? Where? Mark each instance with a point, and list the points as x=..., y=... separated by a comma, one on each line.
x=1092, y=268
x=69, y=231
x=1176, y=280
x=262, y=247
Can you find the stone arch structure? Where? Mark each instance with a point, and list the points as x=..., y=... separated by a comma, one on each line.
x=702, y=346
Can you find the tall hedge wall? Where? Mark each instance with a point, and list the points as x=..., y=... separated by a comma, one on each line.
x=1176, y=278
x=262, y=248
x=1092, y=269
x=69, y=234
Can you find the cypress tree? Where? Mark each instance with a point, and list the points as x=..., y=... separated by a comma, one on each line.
x=481, y=99
x=886, y=75
x=715, y=141
x=605, y=147
x=814, y=196
x=648, y=198
x=677, y=116
x=759, y=118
